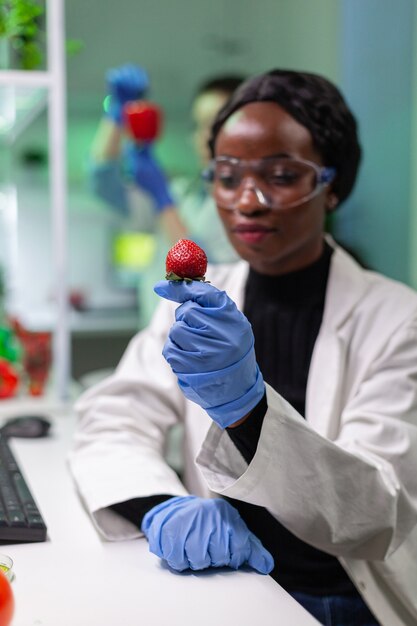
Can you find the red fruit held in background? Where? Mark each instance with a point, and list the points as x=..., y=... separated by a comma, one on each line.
x=6, y=600
x=186, y=261
x=143, y=120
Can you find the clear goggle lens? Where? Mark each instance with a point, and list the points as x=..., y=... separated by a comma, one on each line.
x=276, y=182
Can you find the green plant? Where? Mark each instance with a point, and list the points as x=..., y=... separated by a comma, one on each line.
x=21, y=25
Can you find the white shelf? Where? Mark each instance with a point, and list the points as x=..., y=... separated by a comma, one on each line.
x=25, y=94
x=19, y=106
x=28, y=79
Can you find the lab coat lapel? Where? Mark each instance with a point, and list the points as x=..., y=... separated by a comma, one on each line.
x=326, y=375
x=345, y=288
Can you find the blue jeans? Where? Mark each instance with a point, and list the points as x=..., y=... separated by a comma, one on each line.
x=347, y=610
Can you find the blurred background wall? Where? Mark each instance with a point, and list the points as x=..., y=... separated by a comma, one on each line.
x=366, y=47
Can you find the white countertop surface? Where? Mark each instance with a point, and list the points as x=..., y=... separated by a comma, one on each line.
x=76, y=579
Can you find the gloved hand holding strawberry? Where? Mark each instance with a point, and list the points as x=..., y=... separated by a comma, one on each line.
x=210, y=348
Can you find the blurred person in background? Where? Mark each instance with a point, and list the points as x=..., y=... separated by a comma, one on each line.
x=128, y=178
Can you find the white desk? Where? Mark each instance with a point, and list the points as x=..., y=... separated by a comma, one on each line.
x=76, y=579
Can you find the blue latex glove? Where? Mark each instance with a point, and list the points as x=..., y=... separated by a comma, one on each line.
x=125, y=83
x=147, y=174
x=195, y=533
x=210, y=348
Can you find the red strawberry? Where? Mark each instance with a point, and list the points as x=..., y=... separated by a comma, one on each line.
x=186, y=261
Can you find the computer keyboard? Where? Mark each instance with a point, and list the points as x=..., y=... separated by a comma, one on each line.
x=20, y=519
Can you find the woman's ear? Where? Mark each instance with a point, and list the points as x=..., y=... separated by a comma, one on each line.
x=331, y=201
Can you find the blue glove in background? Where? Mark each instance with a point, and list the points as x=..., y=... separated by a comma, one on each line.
x=125, y=83
x=147, y=174
x=195, y=533
x=210, y=348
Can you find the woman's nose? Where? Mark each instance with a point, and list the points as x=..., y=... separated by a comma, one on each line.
x=251, y=199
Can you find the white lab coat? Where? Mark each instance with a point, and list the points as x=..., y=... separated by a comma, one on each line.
x=343, y=479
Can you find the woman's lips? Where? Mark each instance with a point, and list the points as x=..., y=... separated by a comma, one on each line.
x=251, y=233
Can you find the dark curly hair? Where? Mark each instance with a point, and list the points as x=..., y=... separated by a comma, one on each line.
x=316, y=104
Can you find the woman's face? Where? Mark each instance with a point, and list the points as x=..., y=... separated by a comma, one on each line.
x=273, y=241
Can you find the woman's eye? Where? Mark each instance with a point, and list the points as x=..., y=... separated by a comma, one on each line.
x=282, y=178
x=230, y=180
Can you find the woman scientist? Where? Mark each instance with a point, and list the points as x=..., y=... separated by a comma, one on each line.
x=311, y=393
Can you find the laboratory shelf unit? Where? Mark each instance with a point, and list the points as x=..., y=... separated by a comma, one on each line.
x=26, y=93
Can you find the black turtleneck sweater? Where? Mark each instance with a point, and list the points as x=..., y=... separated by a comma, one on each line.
x=285, y=313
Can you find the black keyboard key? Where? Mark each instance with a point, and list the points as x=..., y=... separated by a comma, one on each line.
x=17, y=518
x=6, y=456
x=35, y=521
x=21, y=488
x=10, y=499
x=31, y=509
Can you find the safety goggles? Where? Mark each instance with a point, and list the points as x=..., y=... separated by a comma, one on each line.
x=277, y=182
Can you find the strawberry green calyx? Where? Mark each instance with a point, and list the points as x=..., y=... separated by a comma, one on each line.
x=186, y=261
x=174, y=277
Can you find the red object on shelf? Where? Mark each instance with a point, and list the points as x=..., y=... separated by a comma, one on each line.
x=36, y=358
x=9, y=380
x=143, y=120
